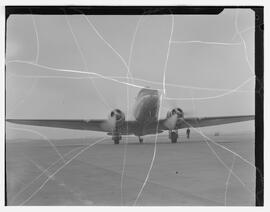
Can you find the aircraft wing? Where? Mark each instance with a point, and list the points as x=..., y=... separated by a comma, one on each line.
x=130, y=127
x=102, y=125
x=206, y=121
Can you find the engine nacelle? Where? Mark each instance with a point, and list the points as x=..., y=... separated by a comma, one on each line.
x=177, y=111
x=118, y=116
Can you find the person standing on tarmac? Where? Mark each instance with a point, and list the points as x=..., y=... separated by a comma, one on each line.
x=188, y=133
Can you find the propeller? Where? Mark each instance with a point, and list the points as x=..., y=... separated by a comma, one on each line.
x=173, y=116
x=171, y=121
x=114, y=117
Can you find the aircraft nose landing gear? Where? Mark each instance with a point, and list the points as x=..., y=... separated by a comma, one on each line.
x=140, y=140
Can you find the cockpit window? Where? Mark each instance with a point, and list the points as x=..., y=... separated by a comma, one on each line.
x=147, y=91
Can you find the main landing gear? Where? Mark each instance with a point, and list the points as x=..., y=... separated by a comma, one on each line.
x=116, y=138
x=173, y=135
x=140, y=140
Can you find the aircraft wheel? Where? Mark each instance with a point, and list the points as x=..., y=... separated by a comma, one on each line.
x=174, y=137
x=141, y=140
x=116, y=141
x=116, y=138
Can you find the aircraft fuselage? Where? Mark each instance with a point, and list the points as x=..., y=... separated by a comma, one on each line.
x=146, y=106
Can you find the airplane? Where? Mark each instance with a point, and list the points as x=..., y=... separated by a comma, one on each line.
x=146, y=112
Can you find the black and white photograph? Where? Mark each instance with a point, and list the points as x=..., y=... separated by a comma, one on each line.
x=134, y=106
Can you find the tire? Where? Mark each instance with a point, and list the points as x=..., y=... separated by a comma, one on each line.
x=174, y=137
x=116, y=141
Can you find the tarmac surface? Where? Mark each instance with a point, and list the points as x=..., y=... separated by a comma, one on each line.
x=80, y=172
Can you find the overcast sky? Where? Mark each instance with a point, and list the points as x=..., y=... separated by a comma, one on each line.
x=76, y=42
